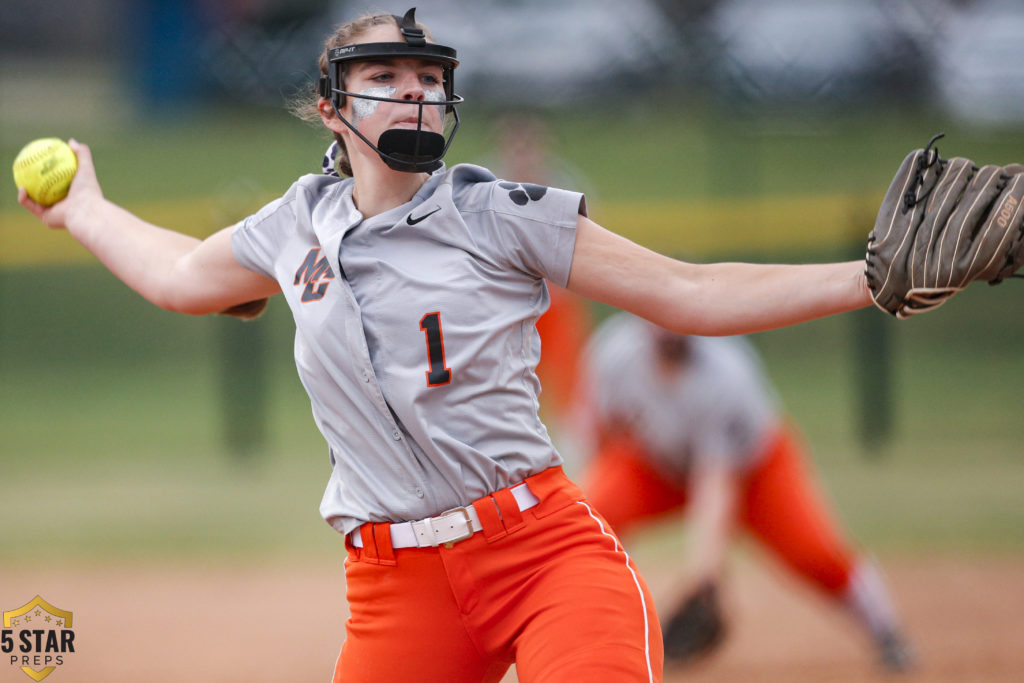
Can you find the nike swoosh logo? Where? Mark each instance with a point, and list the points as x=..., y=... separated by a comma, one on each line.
x=413, y=221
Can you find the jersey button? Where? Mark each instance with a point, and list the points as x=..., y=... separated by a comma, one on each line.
x=419, y=492
x=397, y=435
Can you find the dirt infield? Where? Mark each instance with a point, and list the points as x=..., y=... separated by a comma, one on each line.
x=234, y=623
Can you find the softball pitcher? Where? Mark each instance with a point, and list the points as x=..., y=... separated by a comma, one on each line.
x=414, y=289
x=695, y=424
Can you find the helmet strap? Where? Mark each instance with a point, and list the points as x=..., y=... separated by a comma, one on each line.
x=413, y=34
x=407, y=150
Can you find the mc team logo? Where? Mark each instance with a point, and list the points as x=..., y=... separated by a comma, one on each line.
x=37, y=637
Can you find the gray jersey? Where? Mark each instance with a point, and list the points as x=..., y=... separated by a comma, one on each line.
x=716, y=408
x=415, y=335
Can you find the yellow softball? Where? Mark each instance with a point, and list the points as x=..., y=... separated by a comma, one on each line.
x=45, y=168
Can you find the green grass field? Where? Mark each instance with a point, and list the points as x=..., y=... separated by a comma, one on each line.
x=111, y=411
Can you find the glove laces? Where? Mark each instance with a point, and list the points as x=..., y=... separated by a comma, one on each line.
x=927, y=159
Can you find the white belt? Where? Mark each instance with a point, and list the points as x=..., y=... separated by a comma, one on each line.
x=447, y=528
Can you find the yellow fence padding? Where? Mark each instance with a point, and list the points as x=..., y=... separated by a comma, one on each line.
x=692, y=229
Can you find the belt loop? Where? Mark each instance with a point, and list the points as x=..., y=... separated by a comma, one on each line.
x=369, y=543
x=511, y=517
x=382, y=538
x=490, y=520
x=554, y=490
x=354, y=553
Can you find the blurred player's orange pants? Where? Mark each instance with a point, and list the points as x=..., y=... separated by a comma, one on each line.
x=563, y=331
x=779, y=504
x=549, y=588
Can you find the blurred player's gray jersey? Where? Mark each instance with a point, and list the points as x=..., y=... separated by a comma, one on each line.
x=415, y=335
x=718, y=407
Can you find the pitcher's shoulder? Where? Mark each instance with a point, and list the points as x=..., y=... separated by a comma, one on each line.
x=475, y=187
x=318, y=187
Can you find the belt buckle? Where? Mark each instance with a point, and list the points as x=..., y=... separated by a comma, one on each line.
x=469, y=526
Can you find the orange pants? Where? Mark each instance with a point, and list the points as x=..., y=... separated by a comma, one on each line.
x=549, y=588
x=779, y=504
x=563, y=331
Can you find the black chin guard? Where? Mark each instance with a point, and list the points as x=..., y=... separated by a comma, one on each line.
x=411, y=148
x=412, y=151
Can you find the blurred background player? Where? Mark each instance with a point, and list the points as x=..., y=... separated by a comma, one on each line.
x=526, y=153
x=683, y=422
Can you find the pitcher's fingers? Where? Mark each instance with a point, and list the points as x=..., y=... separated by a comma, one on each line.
x=33, y=207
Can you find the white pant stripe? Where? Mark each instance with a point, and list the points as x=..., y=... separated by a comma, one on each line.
x=636, y=581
